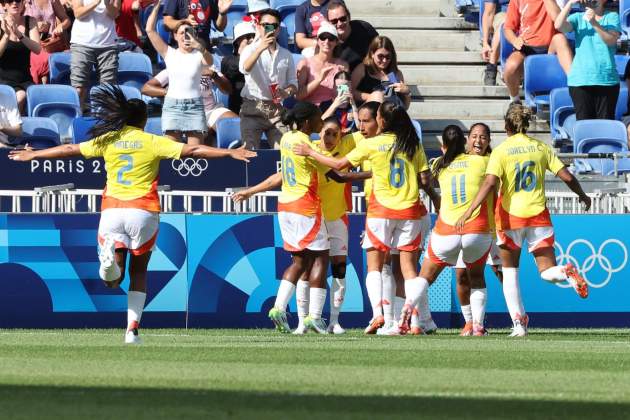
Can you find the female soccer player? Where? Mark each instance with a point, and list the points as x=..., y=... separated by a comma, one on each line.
x=399, y=167
x=130, y=207
x=519, y=164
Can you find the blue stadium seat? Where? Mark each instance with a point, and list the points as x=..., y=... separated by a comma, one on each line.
x=418, y=127
x=622, y=103
x=560, y=107
x=235, y=15
x=624, y=15
x=229, y=133
x=59, y=64
x=601, y=136
x=129, y=92
x=7, y=93
x=221, y=97
x=543, y=73
x=39, y=132
x=144, y=14
x=297, y=58
x=506, y=48
x=134, y=69
x=154, y=126
x=80, y=129
x=621, y=61
x=283, y=36
x=165, y=34
x=59, y=102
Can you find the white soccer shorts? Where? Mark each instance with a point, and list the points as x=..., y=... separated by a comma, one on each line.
x=388, y=234
x=444, y=249
x=338, y=235
x=536, y=238
x=301, y=232
x=133, y=229
x=493, y=257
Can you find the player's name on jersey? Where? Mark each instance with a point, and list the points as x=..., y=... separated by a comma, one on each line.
x=128, y=144
x=458, y=165
x=519, y=150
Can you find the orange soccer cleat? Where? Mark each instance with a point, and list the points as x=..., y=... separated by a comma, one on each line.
x=467, y=330
x=577, y=281
x=374, y=325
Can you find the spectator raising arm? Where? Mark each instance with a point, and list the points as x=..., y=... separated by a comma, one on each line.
x=222, y=19
x=561, y=22
x=80, y=11
x=490, y=9
x=112, y=7
x=62, y=16
x=155, y=38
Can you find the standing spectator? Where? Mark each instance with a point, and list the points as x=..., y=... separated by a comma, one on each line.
x=308, y=18
x=128, y=22
x=93, y=43
x=378, y=77
x=533, y=21
x=183, y=112
x=355, y=35
x=10, y=121
x=491, y=23
x=199, y=14
x=269, y=78
x=244, y=33
x=593, y=80
x=46, y=13
x=316, y=74
x=18, y=38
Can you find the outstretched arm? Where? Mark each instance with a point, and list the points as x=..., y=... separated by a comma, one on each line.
x=302, y=149
x=575, y=186
x=63, y=151
x=344, y=177
x=274, y=181
x=207, y=152
x=488, y=186
x=154, y=37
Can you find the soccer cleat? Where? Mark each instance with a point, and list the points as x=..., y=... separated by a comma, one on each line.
x=316, y=325
x=108, y=270
x=300, y=330
x=467, y=330
x=405, y=319
x=479, y=330
x=390, y=328
x=279, y=319
x=428, y=327
x=520, y=326
x=336, y=329
x=131, y=336
x=375, y=324
x=417, y=331
x=490, y=75
x=577, y=281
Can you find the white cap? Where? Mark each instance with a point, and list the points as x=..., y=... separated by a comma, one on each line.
x=327, y=28
x=243, y=28
x=254, y=6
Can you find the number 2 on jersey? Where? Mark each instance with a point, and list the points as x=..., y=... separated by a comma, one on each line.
x=462, y=189
x=288, y=171
x=126, y=168
x=525, y=176
x=397, y=173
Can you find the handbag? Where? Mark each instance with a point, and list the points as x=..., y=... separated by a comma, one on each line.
x=55, y=44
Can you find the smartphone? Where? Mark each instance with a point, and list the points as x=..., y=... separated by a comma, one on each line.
x=269, y=28
x=343, y=88
x=189, y=32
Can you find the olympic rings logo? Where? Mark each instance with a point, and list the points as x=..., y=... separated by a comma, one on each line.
x=189, y=166
x=599, y=257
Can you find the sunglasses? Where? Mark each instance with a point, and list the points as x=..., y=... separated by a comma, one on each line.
x=383, y=57
x=11, y=1
x=327, y=37
x=342, y=19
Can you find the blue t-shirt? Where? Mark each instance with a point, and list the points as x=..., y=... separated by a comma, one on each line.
x=308, y=18
x=594, y=62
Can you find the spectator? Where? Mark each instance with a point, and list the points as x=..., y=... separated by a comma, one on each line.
x=308, y=18
x=52, y=20
x=343, y=107
x=183, y=111
x=244, y=33
x=593, y=80
x=316, y=74
x=10, y=121
x=533, y=20
x=378, y=77
x=157, y=87
x=18, y=38
x=491, y=23
x=199, y=14
x=355, y=35
x=128, y=22
x=269, y=78
x=93, y=42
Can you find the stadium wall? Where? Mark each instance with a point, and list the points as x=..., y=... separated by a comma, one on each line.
x=214, y=271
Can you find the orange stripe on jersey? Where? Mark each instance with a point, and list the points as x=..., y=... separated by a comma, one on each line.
x=307, y=205
x=480, y=224
x=377, y=210
x=149, y=202
x=507, y=221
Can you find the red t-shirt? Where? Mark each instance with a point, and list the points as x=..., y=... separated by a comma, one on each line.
x=124, y=23
x=529, y=19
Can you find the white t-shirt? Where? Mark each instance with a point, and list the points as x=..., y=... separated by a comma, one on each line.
x=269, y=68
x=9, y=117
x=96, y=29
x=207, y=94
x=184, y=73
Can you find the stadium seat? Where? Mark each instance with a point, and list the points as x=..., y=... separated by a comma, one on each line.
x=622, y=103
x=7, y=93
x=134, y=69
x=80, y=129
x=129, y=92
x=543, y=73
x=154, y=126
x=235, y=15
x=506, y=48
x=601, y=136
x=144, y=14
x=283, y=37
x=222, y=98
x=297, y=58
x=59, y=65
x=229, y=133
x=560, y=107
x=59, y=102
x=624, y=15
x=287, y=14
x=418, y=127
x=621, y=61
x=39, y=132
x=166, y=36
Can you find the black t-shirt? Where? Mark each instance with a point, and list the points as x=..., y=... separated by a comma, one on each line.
x=356, y=46
x=229, y=68
x=308, y=18
x=205, y=12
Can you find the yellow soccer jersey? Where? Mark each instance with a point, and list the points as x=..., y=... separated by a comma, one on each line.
x=520, y=163
x=336, y=197
x=395, y=184
x=459, y=184
x=299, y=177
x=365, y=166
x=132, y=165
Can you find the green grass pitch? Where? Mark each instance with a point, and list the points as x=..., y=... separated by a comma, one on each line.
x=259, y=374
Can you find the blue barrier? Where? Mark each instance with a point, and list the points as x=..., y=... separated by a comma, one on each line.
x=211, y=271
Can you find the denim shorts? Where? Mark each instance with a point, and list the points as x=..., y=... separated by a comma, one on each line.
x=183, y=115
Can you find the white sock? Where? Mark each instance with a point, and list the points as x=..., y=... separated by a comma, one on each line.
x=554, y=274
x=135, y=306
x=337, y=294
x=515, y=98
x=424, y=311
x=285, y=292
x=317, y=299
x=512, y=292
x=389, y=291
x=414, y=289
x=399, y=302
x=478, y=298
x=467, y=312
x=301, y=297
x=415, y=317
x=374, y=287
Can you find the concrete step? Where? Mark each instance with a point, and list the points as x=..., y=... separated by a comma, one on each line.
x=416, y=22
x=436, y=124
x=432, y=39
x=438, y=57
x=394, y=7
x=480, y=109
x=475, y=91
x=443, y=75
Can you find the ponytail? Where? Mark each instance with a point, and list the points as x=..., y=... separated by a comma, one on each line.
x=397, y=121
x=299, y=114
x=517, y=119
x=454, y=142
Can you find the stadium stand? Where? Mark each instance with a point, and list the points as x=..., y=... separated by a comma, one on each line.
x=229, y=133
x=287, y=13
x=80, y=129
x=154, y=126
x=58, y=102
x=560, y=108
x=134, y=69
x=39, y=132
x=601, y=136
x=542, y=74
